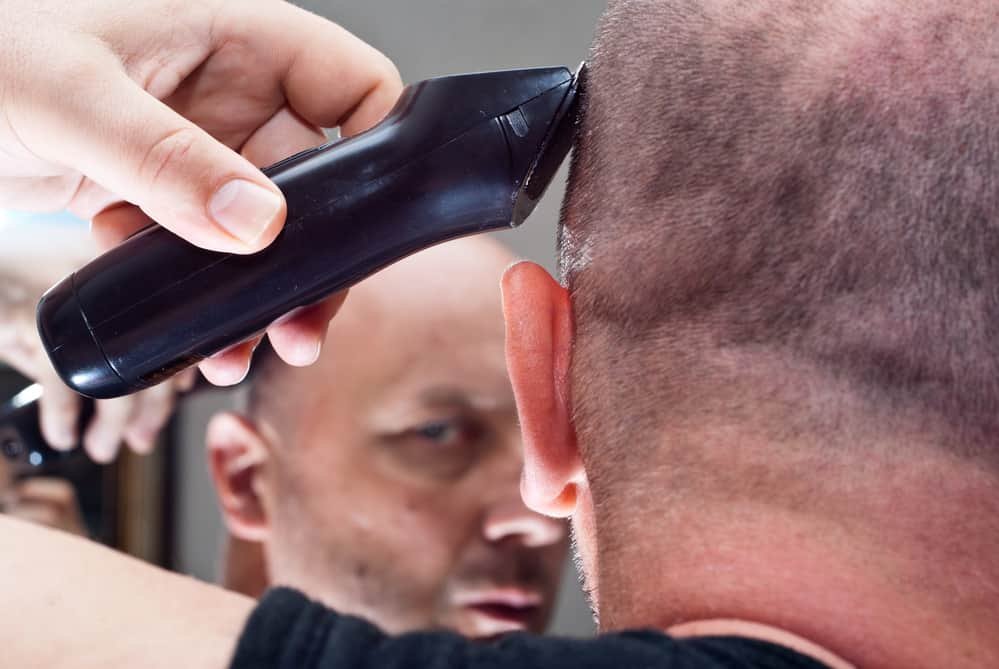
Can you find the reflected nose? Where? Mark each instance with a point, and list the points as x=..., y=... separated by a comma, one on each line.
x=511, y=519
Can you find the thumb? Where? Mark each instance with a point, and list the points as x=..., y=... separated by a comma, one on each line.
x=140, y=149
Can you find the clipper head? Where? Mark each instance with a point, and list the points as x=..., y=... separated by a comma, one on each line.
x=553, y=149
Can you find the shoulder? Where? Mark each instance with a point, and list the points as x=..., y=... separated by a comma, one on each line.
x=288, y=630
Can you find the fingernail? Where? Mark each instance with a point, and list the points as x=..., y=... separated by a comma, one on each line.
x=313, y=353
x=62, y=438
x=67, y=439
x=140, y=439
x=228, y=374
x=141, y=443
x=305, y=353
x=104, y=455
x=101, y=451
x=244, y=209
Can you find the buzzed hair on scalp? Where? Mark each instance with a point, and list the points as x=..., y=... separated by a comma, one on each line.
x=812, y=183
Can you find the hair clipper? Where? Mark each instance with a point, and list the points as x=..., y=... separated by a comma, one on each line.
x=457, y=155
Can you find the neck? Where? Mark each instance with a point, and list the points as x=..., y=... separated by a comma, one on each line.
x=886, y=562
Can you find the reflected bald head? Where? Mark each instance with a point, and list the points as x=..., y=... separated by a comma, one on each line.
x=388, y=471
x=405, y=305
x=788, y=204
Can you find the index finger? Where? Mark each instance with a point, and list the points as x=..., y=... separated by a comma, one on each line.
x=330, y=77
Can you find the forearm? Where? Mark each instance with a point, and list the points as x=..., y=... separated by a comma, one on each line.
x=68, y=602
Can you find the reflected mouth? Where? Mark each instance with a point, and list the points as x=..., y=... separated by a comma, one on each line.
x=504, y=610
x=506, y=613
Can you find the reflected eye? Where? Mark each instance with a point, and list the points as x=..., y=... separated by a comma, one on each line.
x=440, y=432
x=442, y=449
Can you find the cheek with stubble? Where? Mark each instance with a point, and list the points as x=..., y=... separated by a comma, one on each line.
x=397, y=545
x=434, y=529
x=585, y=553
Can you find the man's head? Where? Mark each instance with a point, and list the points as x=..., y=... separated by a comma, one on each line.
x=383, y=480
x=770, y=388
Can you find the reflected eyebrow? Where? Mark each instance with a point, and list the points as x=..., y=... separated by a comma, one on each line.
x=458, y=397
x=414, y=404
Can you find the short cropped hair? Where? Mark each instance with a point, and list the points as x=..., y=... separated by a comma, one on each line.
x=809, y=182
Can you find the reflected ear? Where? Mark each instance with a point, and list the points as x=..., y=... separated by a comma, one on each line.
x=539, y=331
x=236, y=455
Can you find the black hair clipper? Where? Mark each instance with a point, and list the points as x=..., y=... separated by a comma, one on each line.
x=457, y=155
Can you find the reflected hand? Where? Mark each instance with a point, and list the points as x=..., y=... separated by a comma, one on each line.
x=128, y=112
x=136, y=419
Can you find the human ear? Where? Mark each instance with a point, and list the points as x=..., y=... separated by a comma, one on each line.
x=539, y=330
x=236, y=455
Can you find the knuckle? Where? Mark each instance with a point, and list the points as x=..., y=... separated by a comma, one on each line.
x=392, y=75
x=167, y=154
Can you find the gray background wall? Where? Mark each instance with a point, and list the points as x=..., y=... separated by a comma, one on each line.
x=425, y=38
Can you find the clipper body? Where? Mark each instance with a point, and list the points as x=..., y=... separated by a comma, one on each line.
x=457, y=155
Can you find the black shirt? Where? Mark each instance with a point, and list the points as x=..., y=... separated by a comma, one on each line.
x=287, y=631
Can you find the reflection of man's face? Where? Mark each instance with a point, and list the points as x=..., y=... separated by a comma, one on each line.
x=395, y=495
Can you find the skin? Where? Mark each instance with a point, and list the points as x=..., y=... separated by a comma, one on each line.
x=384, y=479
x=801, y=570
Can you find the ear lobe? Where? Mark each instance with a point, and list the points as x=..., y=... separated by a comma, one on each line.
x=236, y=455
x=539, y=330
